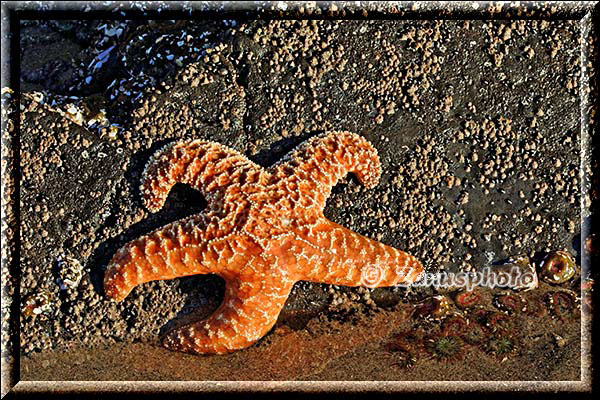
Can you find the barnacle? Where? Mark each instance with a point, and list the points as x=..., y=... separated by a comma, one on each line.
x=70, y=272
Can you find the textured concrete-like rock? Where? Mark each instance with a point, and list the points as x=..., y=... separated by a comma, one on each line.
x=68, y=177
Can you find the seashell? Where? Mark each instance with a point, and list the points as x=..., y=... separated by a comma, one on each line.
x=558, y=267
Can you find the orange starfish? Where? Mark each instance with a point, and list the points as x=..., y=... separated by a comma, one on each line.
x=262, y=231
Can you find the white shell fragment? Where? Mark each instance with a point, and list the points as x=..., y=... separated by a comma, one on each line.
x=70, y=272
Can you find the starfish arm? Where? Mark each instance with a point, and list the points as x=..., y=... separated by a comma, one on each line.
x=338, y=256
x=249, y=310
x=181, y=248
x=206, y=166
x=315, y=166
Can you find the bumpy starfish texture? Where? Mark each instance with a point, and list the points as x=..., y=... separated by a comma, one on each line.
x=262, y=231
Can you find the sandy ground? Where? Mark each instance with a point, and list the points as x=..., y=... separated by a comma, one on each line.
x=326, y=350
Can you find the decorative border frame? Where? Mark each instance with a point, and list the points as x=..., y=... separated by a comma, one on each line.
x=13, y=12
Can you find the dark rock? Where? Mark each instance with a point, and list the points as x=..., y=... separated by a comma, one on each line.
x=305, y=302
x=385, y=297
x=68, y=178
x=49, y=60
